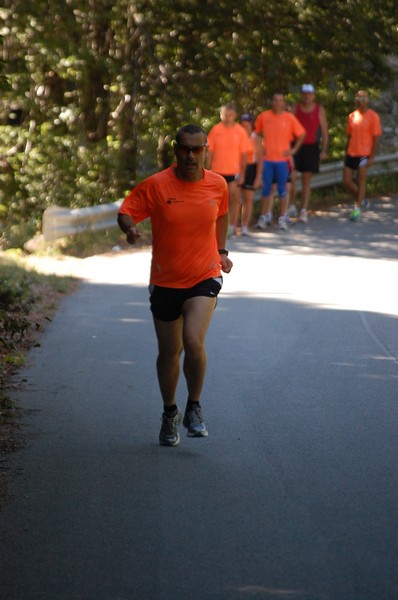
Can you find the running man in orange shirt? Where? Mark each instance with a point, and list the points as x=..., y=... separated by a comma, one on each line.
x=278, y=128
x=188, y=209
x=227, y=156
x=364, y=130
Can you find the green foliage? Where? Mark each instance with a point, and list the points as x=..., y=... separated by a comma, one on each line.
x=16, y=360
x=16, y=300
x=100, y=88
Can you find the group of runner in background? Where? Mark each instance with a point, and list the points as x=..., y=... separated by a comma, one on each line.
x=270, y=150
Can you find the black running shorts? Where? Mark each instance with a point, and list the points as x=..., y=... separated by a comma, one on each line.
x=307, y=159
x=355, y=162
x=166, y=303
x=250, y=175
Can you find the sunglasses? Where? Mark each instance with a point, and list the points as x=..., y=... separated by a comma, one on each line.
x=187, y=149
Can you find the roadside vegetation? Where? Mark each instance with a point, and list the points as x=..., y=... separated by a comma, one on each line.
x=27, y=302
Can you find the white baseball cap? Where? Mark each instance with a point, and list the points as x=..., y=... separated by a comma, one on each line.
x=307, y=88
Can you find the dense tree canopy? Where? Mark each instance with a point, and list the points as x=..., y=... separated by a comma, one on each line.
x=92, y=89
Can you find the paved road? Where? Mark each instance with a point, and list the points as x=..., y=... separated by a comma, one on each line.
x=294, y=493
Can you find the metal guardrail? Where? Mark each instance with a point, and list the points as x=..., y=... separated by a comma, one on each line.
x=58, y=221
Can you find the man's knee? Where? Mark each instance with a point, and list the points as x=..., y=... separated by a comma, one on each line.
x=362, y=173
x=170, y=355
x=194, y=345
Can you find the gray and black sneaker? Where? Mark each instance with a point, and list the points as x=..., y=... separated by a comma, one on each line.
x=169, y=435
x=193, y=421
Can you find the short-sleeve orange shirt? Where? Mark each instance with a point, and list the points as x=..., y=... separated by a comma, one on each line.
x=252, y=151
x=227, y=144
x=362, y=128
x=278, y=131
x=183, y=217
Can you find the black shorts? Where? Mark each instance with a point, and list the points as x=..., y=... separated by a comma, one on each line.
x=250, y=176
x=355, y=162
x=307, y=159
x=228, y=178
x=166, y=303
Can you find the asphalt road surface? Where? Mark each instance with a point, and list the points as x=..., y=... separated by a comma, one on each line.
x=294, y=493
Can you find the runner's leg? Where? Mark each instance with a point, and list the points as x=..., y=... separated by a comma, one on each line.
x=197, y=314
x=169, y=336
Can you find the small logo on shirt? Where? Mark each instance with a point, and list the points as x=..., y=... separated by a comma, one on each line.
x=173, y=201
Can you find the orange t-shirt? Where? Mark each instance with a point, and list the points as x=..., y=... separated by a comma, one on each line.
x=183, y=216
x=227, y=144
x=362, y=128
x=278, y=133
x=252, y=151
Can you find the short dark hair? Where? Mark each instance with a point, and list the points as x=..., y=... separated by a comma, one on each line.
x=229, y=106
x=191, y=129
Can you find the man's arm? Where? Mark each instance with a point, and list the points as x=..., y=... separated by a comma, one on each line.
x=375, y=146
x=129, y=227
x=209, y=157
x=221, y=236
x=323, y=122
x=259, y=161
x=243, y=163
x=292, y=151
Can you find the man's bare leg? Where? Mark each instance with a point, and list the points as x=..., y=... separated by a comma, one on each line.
x=233, y=205
x=348, y=182
x=362, y=174
x=197, y=314
x=306, y=190
x=247, y=209
x=169, y=336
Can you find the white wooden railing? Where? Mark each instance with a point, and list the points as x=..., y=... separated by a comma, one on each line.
x=58, y=221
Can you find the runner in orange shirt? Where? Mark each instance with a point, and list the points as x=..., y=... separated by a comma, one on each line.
x=364, y=130
x=188, y=208
x=227, y=156
x=278, y=128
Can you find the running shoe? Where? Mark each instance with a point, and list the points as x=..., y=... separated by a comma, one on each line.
x=303, y=217
x=283, y=224
x=193, y=421
x=355, y=214
x=292, y=211
x=261, y=223
x=245, y=230
x=365, y=203
x=231, y=231
x=169, y=435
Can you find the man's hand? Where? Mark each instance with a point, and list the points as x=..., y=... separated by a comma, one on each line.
x=323, y=155
x=132, y=235
x=226, y=263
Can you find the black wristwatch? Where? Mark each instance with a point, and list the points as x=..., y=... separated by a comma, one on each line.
x=223, y=251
